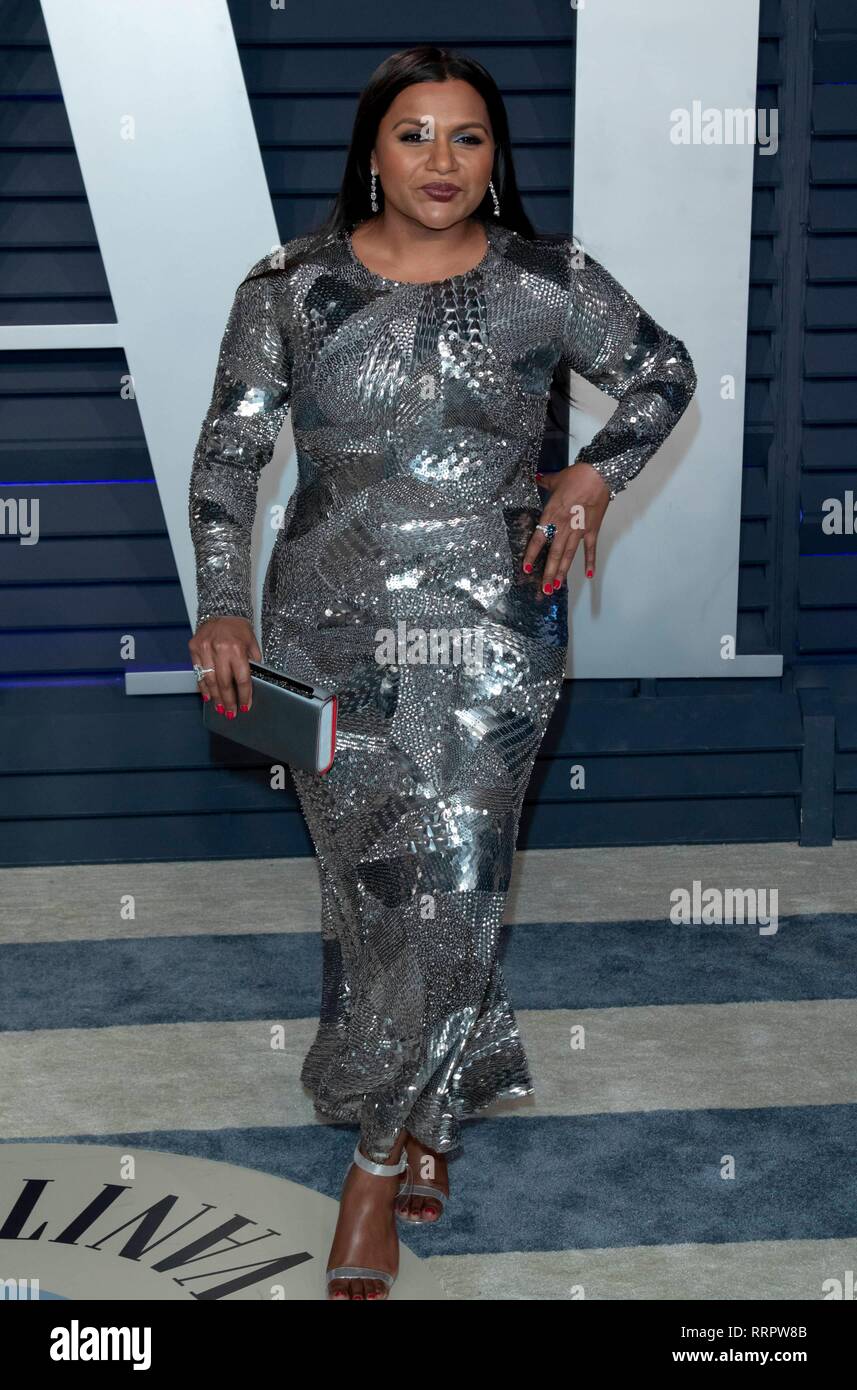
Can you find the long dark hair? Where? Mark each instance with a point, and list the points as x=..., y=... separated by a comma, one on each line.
x=423, y=63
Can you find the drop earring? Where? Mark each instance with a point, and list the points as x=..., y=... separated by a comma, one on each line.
x=373, y=197
x=493, y=193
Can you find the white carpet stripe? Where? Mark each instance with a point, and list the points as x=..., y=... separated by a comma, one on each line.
x=787, y=1269
x=82, y=901
x=213, y=1075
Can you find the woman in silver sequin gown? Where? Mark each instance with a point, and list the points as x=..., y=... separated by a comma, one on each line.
x=418, y=408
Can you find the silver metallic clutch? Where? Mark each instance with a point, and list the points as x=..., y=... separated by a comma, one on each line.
x=287, y=720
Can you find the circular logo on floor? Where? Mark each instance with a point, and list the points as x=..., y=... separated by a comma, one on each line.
x=84, y=1221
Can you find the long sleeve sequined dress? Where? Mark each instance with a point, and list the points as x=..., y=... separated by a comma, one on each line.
x=418, y=413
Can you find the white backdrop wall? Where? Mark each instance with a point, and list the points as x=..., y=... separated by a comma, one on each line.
x=671, y=221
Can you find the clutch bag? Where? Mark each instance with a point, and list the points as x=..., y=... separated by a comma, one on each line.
x=288, y=720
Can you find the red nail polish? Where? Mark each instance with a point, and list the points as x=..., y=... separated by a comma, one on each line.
x=244, y=709
x=528, y=568
x=220, y=709
x=538, y=477
x=547, y=589
x=589, y=574
x=206, y=697
x=557, y=583
x=230, y=714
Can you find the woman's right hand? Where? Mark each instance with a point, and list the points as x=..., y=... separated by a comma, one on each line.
x=227, y=645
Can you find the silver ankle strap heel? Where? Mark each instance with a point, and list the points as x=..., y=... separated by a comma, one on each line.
x=380, y=1170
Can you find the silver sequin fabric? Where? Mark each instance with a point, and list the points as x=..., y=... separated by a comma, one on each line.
x=418, y=413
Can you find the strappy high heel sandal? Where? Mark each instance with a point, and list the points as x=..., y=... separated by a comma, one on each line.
x=381, y=1170
x=409, y=1189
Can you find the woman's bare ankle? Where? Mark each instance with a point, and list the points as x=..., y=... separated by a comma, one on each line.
x=394, y=1154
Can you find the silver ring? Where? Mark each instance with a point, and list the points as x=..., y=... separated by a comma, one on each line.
x=200, y=671
x=549, y=530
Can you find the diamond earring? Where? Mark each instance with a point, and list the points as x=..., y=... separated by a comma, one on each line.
x=373, y=197
x=493, y=193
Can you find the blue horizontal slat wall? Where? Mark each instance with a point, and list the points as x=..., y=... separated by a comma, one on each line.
x=755, y=585
x=52, y=270
x=827, y=591
x=827, y=609
x=87, y=774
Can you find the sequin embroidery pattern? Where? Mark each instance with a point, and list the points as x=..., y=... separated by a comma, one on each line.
x=418, y=412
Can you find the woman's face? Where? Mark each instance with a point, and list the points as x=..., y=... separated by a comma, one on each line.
x=435, y=133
